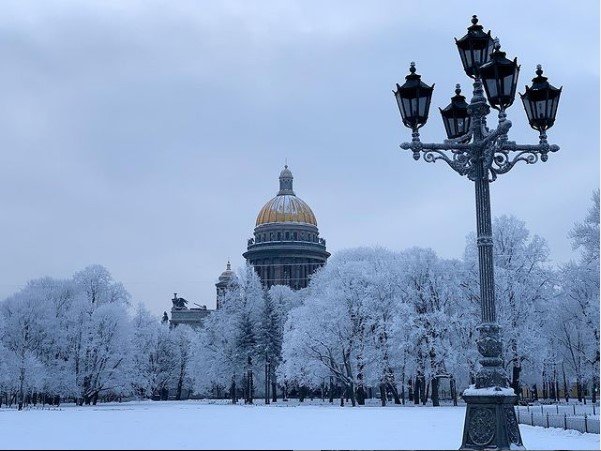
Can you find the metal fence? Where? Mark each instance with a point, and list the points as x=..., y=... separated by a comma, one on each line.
x=577, y=417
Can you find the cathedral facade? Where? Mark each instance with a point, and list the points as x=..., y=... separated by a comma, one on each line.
x=285, y=249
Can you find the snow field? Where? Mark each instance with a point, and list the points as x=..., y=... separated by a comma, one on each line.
x=199, y=425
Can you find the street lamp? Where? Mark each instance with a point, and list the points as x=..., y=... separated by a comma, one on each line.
x=481, y=154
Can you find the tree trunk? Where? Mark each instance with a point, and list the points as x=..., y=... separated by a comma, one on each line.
x=233, y=391
x=425, y=392
x=395, y=392
x=331, y=390
x=352, y=394
x=383, y=394
x=267, y=384
x=21, y=385
x=435, y=394
x=361, y=395
x=566, y=391
x=403, y=393
x=453, y=390
x=545, y=386
x=250, y=387
x=244, y=388
x=416, y=389
x=515, y=379
x=403, y=388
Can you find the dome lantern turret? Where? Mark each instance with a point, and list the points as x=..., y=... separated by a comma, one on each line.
x=286, y=179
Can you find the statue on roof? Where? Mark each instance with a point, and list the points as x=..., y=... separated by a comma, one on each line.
x=179, y=303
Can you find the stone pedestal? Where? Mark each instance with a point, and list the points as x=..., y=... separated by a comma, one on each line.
x=490, y=421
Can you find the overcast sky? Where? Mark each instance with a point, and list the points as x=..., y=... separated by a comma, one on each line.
x=146, y=135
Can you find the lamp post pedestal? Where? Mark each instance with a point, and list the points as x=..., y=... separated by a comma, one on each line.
x=490, y=420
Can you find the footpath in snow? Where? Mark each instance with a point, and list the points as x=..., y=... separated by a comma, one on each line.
x=202, y=425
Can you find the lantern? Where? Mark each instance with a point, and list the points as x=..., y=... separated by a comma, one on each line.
x=474, y=48
x=500, y=78
x=455, y=116
x=413, y=99
x=540, y=102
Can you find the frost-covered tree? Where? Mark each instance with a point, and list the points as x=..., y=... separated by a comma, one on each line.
x=579, y=306
x=431, y=288
x=100, y=340
x=227, y=354
x=182, y=337
x=155, y=358
x=23, y=339
x=274, y=311
x=373, y=318
x=67, y=338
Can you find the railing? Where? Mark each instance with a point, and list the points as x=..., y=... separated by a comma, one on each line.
x=583, y=418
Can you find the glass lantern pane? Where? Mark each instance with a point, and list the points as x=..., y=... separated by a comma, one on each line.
x=468, y=58
x=507, y=85
x=423, y=105
x=414, y=107
x=554, y=104
x=528, y=108
x=491, y=85
x=406, y=107
x=479, y=56
x=452, y=128
x=541, y=109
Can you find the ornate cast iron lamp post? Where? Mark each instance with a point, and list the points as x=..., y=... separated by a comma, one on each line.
x=481, y=154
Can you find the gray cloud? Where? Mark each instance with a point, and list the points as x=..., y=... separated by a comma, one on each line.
x=146, y=136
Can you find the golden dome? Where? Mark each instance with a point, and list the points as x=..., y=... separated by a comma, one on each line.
x=286, y=207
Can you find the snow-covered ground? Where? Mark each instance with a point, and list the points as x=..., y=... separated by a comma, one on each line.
x=200, y=425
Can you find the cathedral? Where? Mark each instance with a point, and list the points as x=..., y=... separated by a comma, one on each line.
x=285, y=249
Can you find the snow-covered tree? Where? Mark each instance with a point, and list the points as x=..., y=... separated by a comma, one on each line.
x=227, y=353
x=67, y=338
x=579, y=306
x=23, y=338
x=156, y=355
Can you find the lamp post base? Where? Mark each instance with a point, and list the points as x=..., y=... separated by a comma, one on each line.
x=490, y=421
